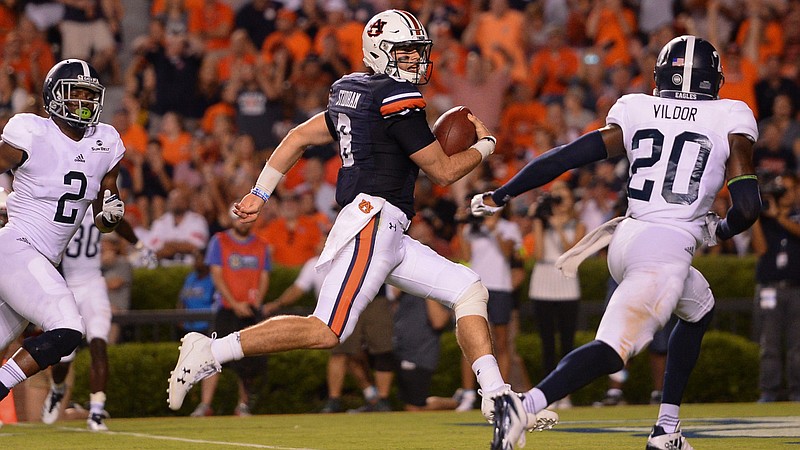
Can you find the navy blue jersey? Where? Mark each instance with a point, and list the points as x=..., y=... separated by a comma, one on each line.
x=379, y=122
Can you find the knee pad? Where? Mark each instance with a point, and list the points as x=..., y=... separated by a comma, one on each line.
x=49, y=347
x=472, y=302
x=383, y=362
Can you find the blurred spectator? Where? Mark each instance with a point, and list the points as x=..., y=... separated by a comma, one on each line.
x=240, y=265
x=438, y=210
x=552, y=67
x=522, y=115
x=152, y=181
x=488, y=244
x=37, y=50
x=772, y=84
x=287, y=35
x=13, y=98
x=555, y=297
x=763, y=21
x=175, y=140
x=499, y=35
x=118, y=273
x=741, y=75
x=133, y=135
x=655, y=14
x=240, y=52
x=776, y=241
x=347, y=31
x=418, y=325
x=257, y=18
x=212, y=23
x=178, y=232
x=783, y=118
x=259, y=90
x=597, y=204
x=293, y=238
x=87, y=33
x=174, y=69
x=197, y=293
x=713, y=20
x=770, y=155
x=611, y=25
x=323, y=192
x=173, y=14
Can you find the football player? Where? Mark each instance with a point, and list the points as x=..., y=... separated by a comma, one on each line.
x=378, y=119
x=61, y=165
x=80, y=267
x=683, y=143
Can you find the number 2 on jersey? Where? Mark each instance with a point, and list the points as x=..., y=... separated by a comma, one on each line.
x=69, y=178
x=657, y=144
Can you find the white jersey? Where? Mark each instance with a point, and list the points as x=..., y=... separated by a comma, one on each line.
x=58, y=180
x=81, y=260
x=678, y=150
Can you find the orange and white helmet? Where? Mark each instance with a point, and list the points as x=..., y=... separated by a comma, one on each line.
x=389, y=31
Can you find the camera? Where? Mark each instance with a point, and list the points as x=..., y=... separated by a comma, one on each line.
x=544, y=206
x=772, y=191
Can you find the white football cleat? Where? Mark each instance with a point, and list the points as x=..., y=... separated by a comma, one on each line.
x=52, y=405
x=511, y=422
x=195, y=362
x=96, y=422
x=487, y=401
x=661, y=440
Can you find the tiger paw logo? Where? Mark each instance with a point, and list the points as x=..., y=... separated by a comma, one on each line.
x=365, y=206
x=376, y=29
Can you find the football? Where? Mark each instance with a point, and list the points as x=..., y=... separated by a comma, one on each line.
x=454, y=131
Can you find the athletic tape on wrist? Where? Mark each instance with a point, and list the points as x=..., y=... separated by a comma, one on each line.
x=485, y=146
x=267, y=182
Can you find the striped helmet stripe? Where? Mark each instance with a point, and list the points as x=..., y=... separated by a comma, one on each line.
x=688, y=62
x=413, y=22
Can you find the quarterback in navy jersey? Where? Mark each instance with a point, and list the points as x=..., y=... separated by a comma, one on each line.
x=384, y=140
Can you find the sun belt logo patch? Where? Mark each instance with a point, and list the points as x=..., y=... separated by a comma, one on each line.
x=376, y=29
x=365, y=206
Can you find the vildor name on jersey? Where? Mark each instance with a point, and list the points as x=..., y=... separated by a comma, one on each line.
x=348, y=99
x=675, y=112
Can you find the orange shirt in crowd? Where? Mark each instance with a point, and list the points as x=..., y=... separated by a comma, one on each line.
x=176, y=150
x=506, y=32
x=292, y=247
x=611, y=33
x=555, y=65
x=348, y=37
x=242, y=263
x=214, y=111
x=770, y=43
x=740, y=82
x=519, y=121
x=214, y=16
x=227, y=62
x=159, y=6
x=135, y=138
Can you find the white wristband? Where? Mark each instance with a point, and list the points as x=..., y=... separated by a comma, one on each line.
x=485, y=146
x=269, y=179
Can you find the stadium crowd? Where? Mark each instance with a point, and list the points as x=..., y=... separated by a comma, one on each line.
x=213, y=86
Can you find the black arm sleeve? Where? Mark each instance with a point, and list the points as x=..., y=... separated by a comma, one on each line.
x=544, y=169
x=745, y=206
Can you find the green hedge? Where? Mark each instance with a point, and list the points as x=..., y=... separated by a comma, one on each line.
x=294, y=382
x=729, y=276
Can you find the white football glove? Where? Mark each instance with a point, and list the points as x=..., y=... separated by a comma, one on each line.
x=145, y=256
x=113, y=207
x=480, y=209
x=710, y=229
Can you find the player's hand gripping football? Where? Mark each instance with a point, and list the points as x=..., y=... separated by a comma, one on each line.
x=113, y=207
x=481, y=208
x=248, y=208
x=480, y=128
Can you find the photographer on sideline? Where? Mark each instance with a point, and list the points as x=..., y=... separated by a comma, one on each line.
x=556, y=228
x=776, y=240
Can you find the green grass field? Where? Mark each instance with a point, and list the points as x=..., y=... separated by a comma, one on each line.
x=708, y=426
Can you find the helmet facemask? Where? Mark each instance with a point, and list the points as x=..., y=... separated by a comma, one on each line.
x=77, y=112
x=401, y=59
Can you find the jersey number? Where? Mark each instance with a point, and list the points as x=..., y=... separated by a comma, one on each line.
x=86, y=241
x=69, y=178
x=667, y=191
x=343, y=129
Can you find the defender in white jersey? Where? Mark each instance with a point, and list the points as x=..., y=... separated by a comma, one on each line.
x=682, y=143
x=61, y=165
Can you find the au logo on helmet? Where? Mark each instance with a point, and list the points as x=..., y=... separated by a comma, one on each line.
x=376, y=29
